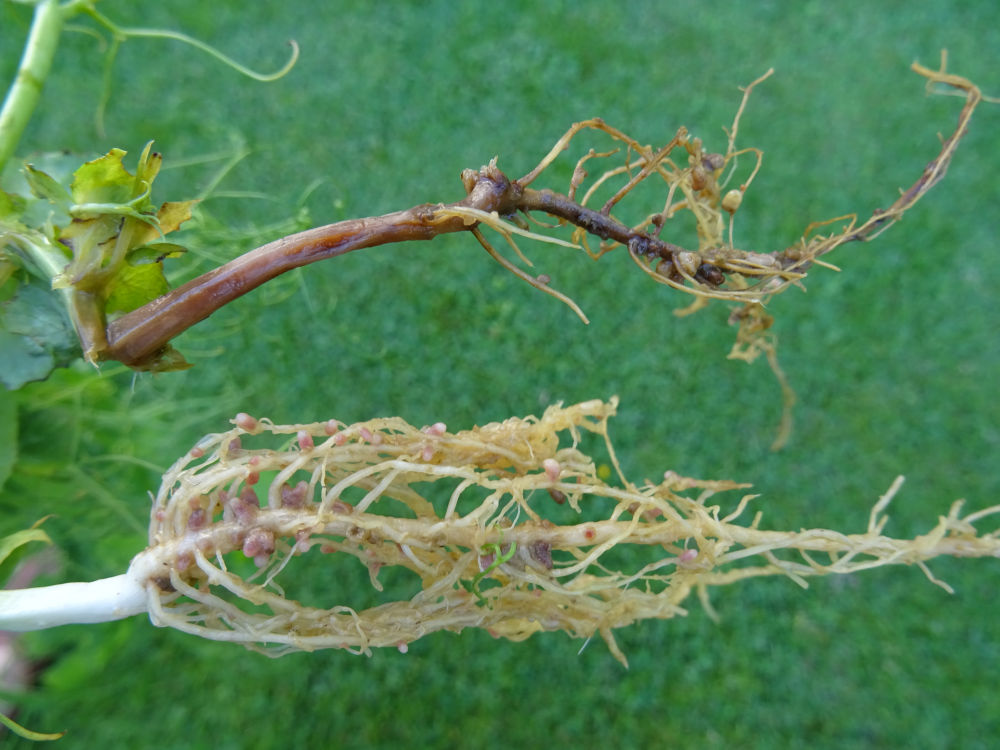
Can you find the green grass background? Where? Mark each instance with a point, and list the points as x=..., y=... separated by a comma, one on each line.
x=895, y=359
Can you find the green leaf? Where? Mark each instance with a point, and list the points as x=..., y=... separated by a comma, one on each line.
x=12, y=547
x=45, y=187
x=22, y=361
x=40, y=191
x=6, y=268
x=8, y=435
x=36, y=335
x=134, y=286
x=59, y=165
x=11, y=206
x=155, y=253
x=29, y=734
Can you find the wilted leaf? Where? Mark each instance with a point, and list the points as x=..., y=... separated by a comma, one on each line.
x=170, y=216
x=149, y=166
x=167, y=360
x=106, y=226
x=91, y=241
x=112, y=216
x=174, y=213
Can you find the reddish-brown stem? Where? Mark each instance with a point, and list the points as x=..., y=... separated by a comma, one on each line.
x=597, y=223
x=140, y=337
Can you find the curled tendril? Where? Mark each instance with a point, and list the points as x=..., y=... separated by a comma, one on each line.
x=120, y=34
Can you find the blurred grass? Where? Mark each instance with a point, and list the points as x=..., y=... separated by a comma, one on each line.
x=894, y=359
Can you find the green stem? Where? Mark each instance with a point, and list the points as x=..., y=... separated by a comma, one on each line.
x=22, y=98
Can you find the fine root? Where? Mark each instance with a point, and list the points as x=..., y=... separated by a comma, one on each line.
x=509, y=527
x=700, y=183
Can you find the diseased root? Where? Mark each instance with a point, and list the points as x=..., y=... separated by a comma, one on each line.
x=509, y=527
x=700, y=184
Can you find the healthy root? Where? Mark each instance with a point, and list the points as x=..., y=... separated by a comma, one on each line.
x=509, y=527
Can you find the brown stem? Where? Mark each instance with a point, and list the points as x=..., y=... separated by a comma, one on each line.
x=597, y=223
x=140, y=338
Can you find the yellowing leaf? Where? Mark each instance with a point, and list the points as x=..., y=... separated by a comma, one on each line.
x=174, y=213
x=170, y=216
x=103, y=180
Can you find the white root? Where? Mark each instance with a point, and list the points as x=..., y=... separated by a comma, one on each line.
x=454, y=520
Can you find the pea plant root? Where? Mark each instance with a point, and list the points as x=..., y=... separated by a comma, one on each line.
x=696, y=182
x=508, y=527
x=512, y=527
